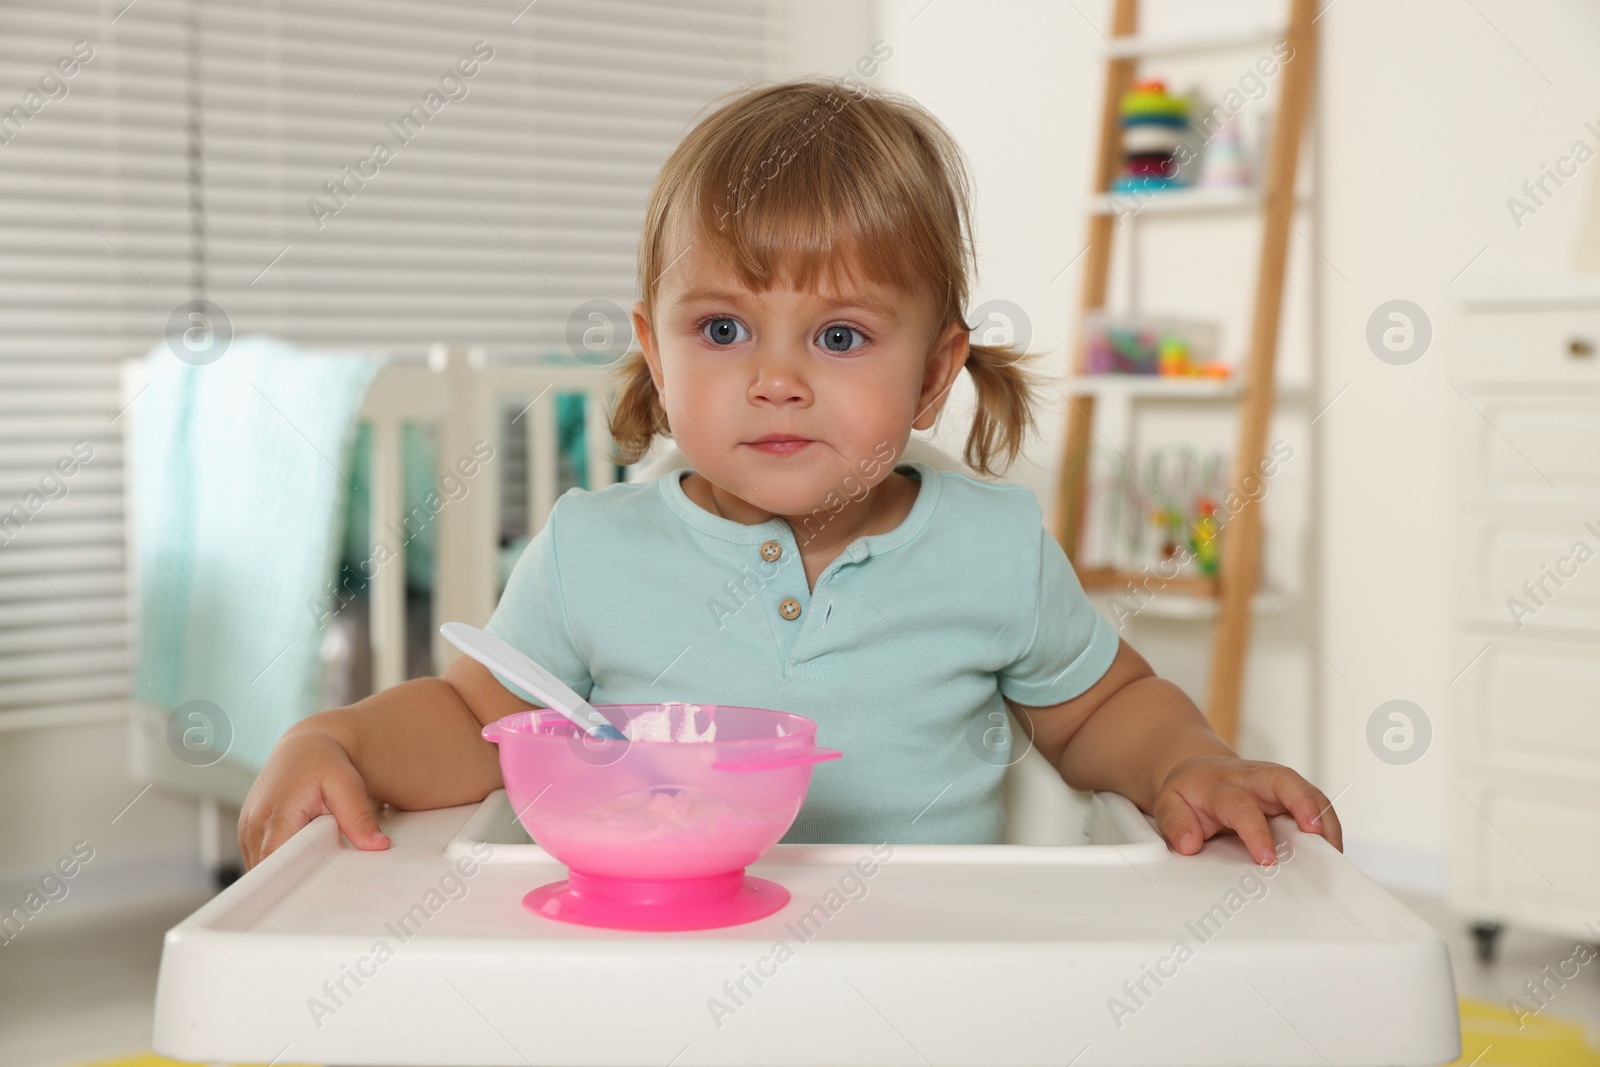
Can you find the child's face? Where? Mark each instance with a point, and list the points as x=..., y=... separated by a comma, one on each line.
x=853, y=370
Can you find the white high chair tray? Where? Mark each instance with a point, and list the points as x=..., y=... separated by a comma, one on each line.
x=1113, y=951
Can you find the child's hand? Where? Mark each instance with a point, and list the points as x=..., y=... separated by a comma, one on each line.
x=308, y=774
x=1205, y=794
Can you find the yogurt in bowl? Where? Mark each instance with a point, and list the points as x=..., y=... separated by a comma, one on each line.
x=672, y=721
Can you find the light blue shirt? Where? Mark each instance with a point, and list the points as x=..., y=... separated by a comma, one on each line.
x=634, y=593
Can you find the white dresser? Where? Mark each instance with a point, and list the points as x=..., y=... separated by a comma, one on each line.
x=1525, y=774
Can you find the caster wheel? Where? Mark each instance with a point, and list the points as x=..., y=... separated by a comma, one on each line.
x=1486, y=933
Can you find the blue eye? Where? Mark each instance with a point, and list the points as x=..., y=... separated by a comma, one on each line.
x=836, y=338
x=723, y=331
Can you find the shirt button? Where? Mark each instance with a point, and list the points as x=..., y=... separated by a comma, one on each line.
x=789, y=608
x=771, y=550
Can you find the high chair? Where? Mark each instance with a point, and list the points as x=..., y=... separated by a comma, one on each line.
x=1091, y=945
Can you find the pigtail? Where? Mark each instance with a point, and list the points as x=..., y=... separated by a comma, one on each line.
x=1004, y=408
x=638, y=416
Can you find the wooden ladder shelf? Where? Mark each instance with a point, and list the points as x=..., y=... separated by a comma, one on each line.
x=1235, y=584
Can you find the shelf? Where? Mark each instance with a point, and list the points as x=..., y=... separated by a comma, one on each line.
x=1136, y=45
x=1183, y=597
x=1162, y=387
x=1154, y=385
x=1110, y=577
x=1183, y=608
x=1116, y=412
x=1184, y=200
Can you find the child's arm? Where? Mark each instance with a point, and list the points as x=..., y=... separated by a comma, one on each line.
x=414, y=745
x=1139, y=735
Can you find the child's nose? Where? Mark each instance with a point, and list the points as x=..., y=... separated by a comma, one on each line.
x=779, y=375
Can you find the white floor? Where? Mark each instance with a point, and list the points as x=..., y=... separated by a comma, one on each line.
x=83, y=991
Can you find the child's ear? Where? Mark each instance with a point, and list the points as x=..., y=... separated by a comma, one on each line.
x=945, y=360
x=647, y=342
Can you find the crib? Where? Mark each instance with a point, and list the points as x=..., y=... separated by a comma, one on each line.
x=1037, y=951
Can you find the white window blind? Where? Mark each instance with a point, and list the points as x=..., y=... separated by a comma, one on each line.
x=496, y=214
x=229, y=151
x=95, y=252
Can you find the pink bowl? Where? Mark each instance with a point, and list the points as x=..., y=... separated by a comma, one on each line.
x=656, y=834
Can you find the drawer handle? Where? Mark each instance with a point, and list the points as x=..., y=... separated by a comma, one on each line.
x=1580, y=348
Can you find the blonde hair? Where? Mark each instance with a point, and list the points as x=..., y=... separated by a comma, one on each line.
x=798, y=177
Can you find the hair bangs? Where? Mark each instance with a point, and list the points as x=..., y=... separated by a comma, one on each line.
x=805, y=227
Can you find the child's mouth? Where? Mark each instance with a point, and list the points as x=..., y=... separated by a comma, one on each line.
x=779, y=448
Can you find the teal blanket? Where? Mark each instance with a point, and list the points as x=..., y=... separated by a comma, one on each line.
x=241, y=470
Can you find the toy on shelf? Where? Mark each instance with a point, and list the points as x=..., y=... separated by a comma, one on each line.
x=1176, y=478
x=1203, y=541
x=1223, y=165
x=1154, y=127
x=1161, y=514
x=1175, y=362
x=1170, y=347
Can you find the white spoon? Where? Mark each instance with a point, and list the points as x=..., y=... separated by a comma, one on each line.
x=494, y=653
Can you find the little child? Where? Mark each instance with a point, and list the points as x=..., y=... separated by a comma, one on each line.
x=804, y=266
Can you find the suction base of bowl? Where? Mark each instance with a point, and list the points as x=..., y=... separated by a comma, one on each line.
x=664, y=904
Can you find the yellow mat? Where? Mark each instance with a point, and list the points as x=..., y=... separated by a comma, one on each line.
x=150, y=1059
x=1490, y=1037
